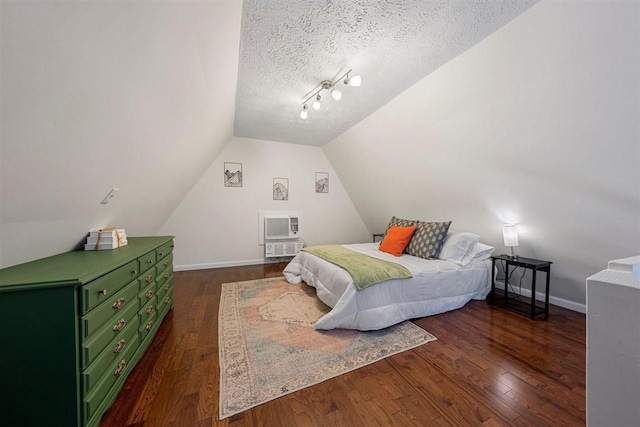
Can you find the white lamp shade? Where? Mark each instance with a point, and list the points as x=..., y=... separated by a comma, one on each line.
x=316, y=103
x=510, y=234
x=336, y=94
x=354, y=81
x=304, y=113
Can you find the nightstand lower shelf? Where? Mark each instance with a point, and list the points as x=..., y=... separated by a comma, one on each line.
x=521, y=305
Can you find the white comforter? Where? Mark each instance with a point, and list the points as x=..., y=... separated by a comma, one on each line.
x=436, y=286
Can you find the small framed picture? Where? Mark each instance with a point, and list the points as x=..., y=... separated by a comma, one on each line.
x=322, y=182
x=232, y=174
x=280, y=188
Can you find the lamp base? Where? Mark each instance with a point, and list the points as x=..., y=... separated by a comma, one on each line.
x=513, y=254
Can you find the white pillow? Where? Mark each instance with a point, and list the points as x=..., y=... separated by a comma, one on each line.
x=457, y=246
x=479, y=252
x=482, y=251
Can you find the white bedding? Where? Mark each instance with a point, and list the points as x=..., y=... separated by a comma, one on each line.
x=436, y=286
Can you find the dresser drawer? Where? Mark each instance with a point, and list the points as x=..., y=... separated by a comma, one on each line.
x=103, y=288
x=147, y=310
x=145, y=328
x=163, y=274
x=111, y=329
x=165, y=304
x=92, y=321
x=145, y=295
x=164, y=250
x=146, y=279
x=164, y=287
x=146, y=261
x=166, y=262
x=116, y=369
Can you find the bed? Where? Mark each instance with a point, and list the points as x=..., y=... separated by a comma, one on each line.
x=436, y=286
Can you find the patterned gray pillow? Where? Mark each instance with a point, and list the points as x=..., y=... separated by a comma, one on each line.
x=399, y=223
x=428, y=239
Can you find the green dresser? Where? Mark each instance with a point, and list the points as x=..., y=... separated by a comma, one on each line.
x=72, y=327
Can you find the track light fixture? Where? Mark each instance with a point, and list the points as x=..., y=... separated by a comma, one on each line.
x=330, y=86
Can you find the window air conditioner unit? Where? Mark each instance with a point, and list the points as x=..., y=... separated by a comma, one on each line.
x=280, y=227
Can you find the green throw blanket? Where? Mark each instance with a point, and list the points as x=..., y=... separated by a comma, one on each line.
x=364, y=269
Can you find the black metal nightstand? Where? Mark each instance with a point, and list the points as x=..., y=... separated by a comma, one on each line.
x=535, y=265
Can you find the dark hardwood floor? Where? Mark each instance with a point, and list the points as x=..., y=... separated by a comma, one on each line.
x=489, y=366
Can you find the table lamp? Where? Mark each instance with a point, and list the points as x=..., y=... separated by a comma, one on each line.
x=510, y=236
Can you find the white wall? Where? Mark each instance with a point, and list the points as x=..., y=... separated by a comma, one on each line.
x=218, y=226
x=537, y=124
x=95, y=95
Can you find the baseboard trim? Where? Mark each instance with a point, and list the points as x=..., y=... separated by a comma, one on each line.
x=560, y=302
x=206, y=266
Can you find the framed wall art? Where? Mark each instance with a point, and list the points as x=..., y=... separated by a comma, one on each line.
x=280, y=188
x=322, y=182
x=232, y=174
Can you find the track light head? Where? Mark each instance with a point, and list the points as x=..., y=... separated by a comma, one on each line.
x=316, y=103
x=336, y=94
x=304, y=113
x=354, y=81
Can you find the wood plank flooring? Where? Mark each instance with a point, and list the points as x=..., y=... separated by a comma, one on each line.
x=489, y=367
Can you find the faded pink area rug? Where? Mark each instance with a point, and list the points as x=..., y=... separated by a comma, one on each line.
x=269, y=347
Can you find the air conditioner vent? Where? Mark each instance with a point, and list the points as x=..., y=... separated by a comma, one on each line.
x=280, y=227
x=276, y=228
x=282, y=248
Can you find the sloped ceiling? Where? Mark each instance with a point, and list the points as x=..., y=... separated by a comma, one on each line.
x=134, y=95
x=289, y=46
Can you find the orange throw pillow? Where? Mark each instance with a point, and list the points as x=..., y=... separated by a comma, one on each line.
x=397, y=239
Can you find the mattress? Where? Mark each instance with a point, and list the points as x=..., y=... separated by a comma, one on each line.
x=437, y=286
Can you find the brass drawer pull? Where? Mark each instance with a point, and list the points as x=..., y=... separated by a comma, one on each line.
x=118, y=326
x=150, y=309
x=120, y=367
x=149, y=325
x=166, y=275
x=118, y=304
x=166, y=287
x=149, y=279
x=166, y=263
x=149, y=261
x=120, y=346
x=103, y=292
x=166, y=300
x=161, y=254
x=149, y=293
x=134, y=272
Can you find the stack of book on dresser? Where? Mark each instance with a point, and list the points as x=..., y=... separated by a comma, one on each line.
x=105, y=238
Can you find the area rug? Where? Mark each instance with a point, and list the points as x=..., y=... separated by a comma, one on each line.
x=269, y=347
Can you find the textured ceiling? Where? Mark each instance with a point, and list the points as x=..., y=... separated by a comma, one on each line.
x=288, y=47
